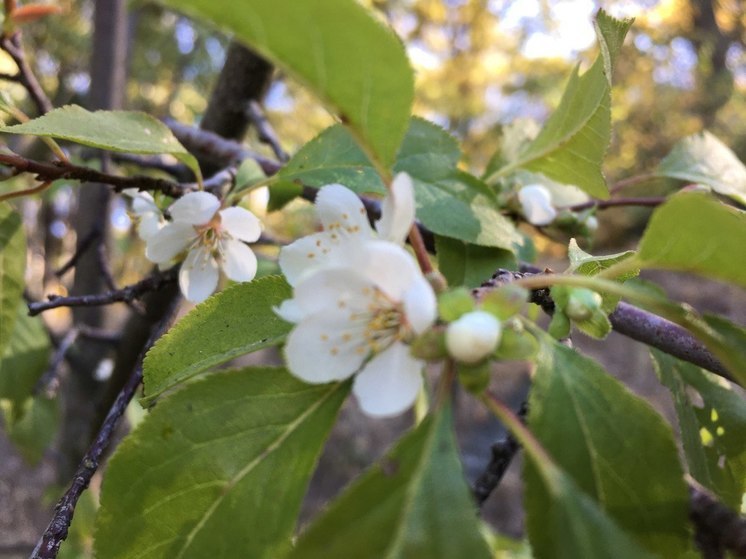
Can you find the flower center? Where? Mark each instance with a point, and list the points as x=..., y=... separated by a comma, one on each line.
x=210, y=234
x=385, y=323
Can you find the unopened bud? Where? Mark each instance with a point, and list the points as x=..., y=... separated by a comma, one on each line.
x=582, y=303
x=473, y=337
x=536, y=202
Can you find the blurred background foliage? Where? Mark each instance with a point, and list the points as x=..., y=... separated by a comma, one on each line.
x=480, y=64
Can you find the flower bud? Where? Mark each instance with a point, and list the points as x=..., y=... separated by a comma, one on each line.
x=582, y=303
x=473, y=337
x=536, y=201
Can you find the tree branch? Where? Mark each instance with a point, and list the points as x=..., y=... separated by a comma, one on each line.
x=503, y=452
x=61, y=170
x=123, y=295
x=216, y=148
x=628, y=320
x=649, y=201
x=12, y=45
x=49, y=544
x=266, y=133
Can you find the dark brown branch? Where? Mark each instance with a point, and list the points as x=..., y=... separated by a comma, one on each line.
x=60, y=170
x=719, y=526
x=267, y=134
x=216, y=148
x=49, y=544
x=123, y=295
x=12, y=45
x=502, y=453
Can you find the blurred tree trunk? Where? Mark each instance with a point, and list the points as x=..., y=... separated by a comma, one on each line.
x=81, y=391
x=714, y=79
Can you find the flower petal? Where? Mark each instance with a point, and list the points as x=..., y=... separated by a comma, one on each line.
x=239, y=261
x=397, y=211
x=289, y=311
x=339, y=209
x=420, y=305
x=241, y=224
x=150, y=224
x=536, y=202
x=389, y=383
x=198, y=276
x=310, y=253
x=335, y=292
x=391, y=268
x=169, y=241
x=194, y=208
x=320, y=349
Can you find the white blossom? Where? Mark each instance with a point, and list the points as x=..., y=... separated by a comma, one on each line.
x=213, y=239
x=359, y=298
x=473, y=336
x=536, y=201
x=344, y=222
x=358, y=318
x=149, y=216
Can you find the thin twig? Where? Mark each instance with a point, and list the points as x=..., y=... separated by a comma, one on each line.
x=83, y=246
x=12, y=45
x=61, y=170
x=502, y=453
x=49, y=382
x=631, y=181
x=98, y=334
x=648, y=201
x=49, y=544
x=266, y=133
x=123, y=295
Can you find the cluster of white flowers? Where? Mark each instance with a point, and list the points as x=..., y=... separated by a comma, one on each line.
x=212, y=238
x=358, y=299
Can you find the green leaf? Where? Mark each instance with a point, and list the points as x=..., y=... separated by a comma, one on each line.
x=452, y=203
x=31, y=426
x=571, y=146
x=564, y=523
x=468, y=264
x=332, y=157
x=713, y=427
x=25, y=359
x=348, y=58
x=236, y=321
x=617, y=449
x=217, y=469
x=588, y=265
x=12, y=268
x=703, y=159
x=693, y=232
x=449, y=202
x=125, y=131
x=414, y=503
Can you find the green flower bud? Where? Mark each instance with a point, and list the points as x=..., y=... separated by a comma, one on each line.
x=582, y=304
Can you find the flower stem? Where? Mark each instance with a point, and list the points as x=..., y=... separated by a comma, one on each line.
x=418, y=245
